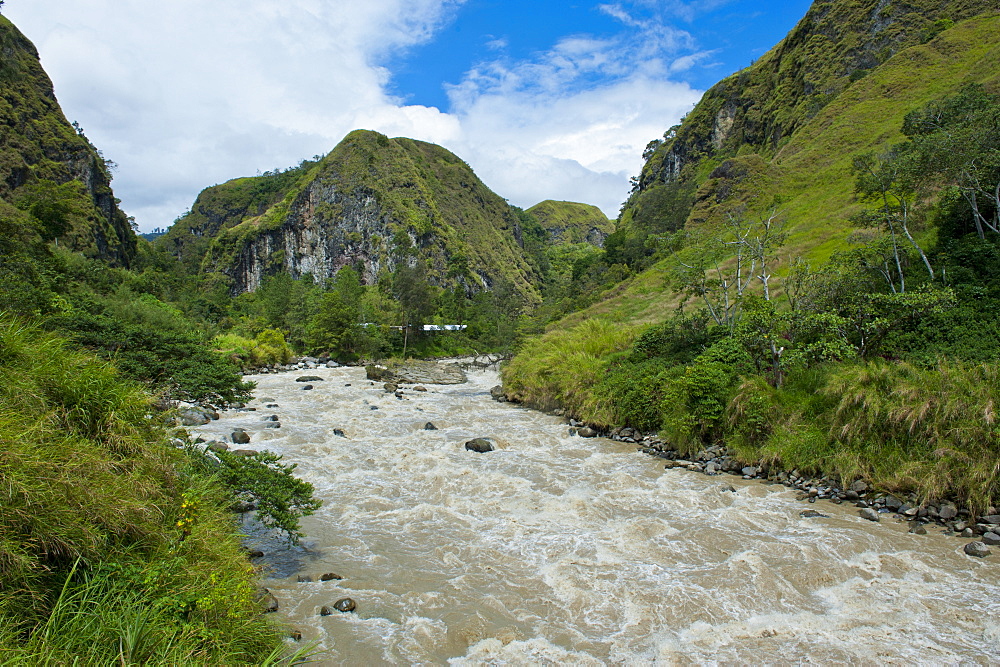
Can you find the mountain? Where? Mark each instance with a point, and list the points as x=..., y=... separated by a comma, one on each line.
x=572, y=222
x=764, y=109
x=719, y=158
x=48, y=167
x=372, y=203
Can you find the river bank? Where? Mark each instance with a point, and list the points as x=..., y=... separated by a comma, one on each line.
x=557, y=548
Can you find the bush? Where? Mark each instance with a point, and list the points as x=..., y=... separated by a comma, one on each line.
x=112, y=547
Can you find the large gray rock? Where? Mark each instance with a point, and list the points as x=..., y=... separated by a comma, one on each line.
x=240, y=437
x=992, y=539
x=977, y=549
x=309, y=378
x=587, y=432
x=194, y=417
x=948, y=511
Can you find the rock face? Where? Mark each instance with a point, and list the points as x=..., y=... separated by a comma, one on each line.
x=412, y=372
x=42, y=151
x=358, y=206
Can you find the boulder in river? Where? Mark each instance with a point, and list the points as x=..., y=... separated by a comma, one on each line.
x=307, y=387
x=586, y=432
x=309, y=378
x=480, y=445
x=992, y=539
x=430, y=427
x=390, y=387
x=330, y=576
x=269, y=602
x=977, y=549
x=869, y=513
x=345, y=605
x=244, y=452
x=240, y=437
x=194, y=416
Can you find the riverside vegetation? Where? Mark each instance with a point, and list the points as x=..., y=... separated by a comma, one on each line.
x=870, y=354
x=805, y=271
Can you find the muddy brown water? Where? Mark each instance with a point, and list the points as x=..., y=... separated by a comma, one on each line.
x=557, y=549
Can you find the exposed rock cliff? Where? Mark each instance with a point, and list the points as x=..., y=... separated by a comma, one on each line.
x=372, y=203
x=47, y=165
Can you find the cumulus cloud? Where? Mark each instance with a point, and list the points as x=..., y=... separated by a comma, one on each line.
x=189, y=93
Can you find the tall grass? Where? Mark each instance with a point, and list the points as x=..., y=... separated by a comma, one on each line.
x=564, y=367
x=112, y=547
x=929, y=431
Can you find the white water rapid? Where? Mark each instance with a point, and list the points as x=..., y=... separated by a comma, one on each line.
x=558, y=549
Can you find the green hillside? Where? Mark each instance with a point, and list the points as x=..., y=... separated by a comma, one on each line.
x=372, y=204
x=811, y=175
x=572, y=222
x=809, y=264
x=48, y=167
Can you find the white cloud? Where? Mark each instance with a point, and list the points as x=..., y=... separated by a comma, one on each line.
x=188, y=93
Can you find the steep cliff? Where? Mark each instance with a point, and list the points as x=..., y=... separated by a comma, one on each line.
x=372, y=203
x=47, y=167
x=572, y=222
x=760, y=109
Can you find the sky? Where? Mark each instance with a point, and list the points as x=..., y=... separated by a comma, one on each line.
x=545, y=100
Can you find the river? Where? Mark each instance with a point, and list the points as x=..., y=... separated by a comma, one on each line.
x=558, y=549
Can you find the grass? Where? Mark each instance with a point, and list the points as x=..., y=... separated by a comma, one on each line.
x=112, y=547
x=563, y=369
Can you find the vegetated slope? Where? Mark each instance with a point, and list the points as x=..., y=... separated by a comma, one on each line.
x=810, y=178
x=373, y=203
x=47, y=167
x=572, y=222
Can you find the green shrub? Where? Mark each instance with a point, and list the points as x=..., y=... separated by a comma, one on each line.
x=113, y=549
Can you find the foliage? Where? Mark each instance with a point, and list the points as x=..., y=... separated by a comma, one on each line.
x=261, y=479
x=97, y=508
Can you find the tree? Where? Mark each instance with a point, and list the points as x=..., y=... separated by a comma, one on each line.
x=956, y=141
x=721, y=279
x=415, y=296
x=892, y=183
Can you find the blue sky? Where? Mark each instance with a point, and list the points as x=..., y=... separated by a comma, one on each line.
x=734, y=32
x=545, y=100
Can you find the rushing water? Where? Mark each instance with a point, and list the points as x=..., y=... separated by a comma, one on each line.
x=560, y=549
